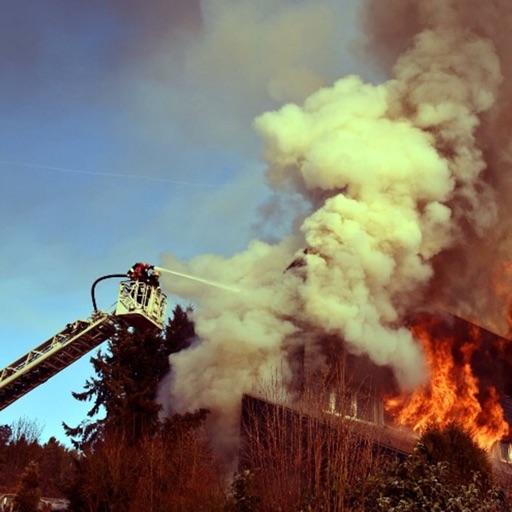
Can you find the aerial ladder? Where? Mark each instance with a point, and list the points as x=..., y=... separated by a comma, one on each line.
x=140, y=304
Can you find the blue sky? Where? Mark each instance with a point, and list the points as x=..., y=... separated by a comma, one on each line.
x=126, y=132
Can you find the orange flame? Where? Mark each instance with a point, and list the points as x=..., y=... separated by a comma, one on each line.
x=454, y=392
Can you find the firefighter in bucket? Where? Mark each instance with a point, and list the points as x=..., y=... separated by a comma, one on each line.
x=144, y=272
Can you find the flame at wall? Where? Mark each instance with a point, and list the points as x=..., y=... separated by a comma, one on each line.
x=456, y=352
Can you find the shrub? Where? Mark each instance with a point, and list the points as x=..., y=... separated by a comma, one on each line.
x=453, y=444
x=447, y=472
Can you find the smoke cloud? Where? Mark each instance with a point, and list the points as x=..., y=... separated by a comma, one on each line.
x=401, y=178
x=468, y=275
x=243, y=57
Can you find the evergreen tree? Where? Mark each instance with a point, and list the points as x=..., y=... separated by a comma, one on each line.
x=125, y=385
x=55, y=468
x=126, y=382
x=180, y=331
x=28, y=496
x=5, y=436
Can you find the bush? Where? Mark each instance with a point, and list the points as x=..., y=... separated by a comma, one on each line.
x=416, y=486
x=454, y=445
x=447, y=472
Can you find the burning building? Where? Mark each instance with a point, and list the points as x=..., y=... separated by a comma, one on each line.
x=405, y=187
x=470, y=381
x=470, y=384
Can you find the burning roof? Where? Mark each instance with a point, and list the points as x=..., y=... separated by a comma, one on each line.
x=470, y=377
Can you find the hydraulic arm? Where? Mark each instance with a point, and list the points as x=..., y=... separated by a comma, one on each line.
x=140, y=304
x=53, y=355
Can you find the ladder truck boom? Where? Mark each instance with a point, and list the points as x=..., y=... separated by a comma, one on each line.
x=140, y=304
x=52, y=356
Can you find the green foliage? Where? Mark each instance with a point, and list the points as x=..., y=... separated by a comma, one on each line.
x=454, y=445
x=125, y=387
x=180, y=426
x=130, y=460
x=180, y=331
x=446, y=472
x=126, y=381
x=418, y=486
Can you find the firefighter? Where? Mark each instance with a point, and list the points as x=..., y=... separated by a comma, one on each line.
x=145, y=273
x=139, y=272
x=153, y=277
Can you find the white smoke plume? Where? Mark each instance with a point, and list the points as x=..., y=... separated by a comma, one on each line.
x=397, y=178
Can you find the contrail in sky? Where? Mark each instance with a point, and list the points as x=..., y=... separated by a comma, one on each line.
x=111, y=174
